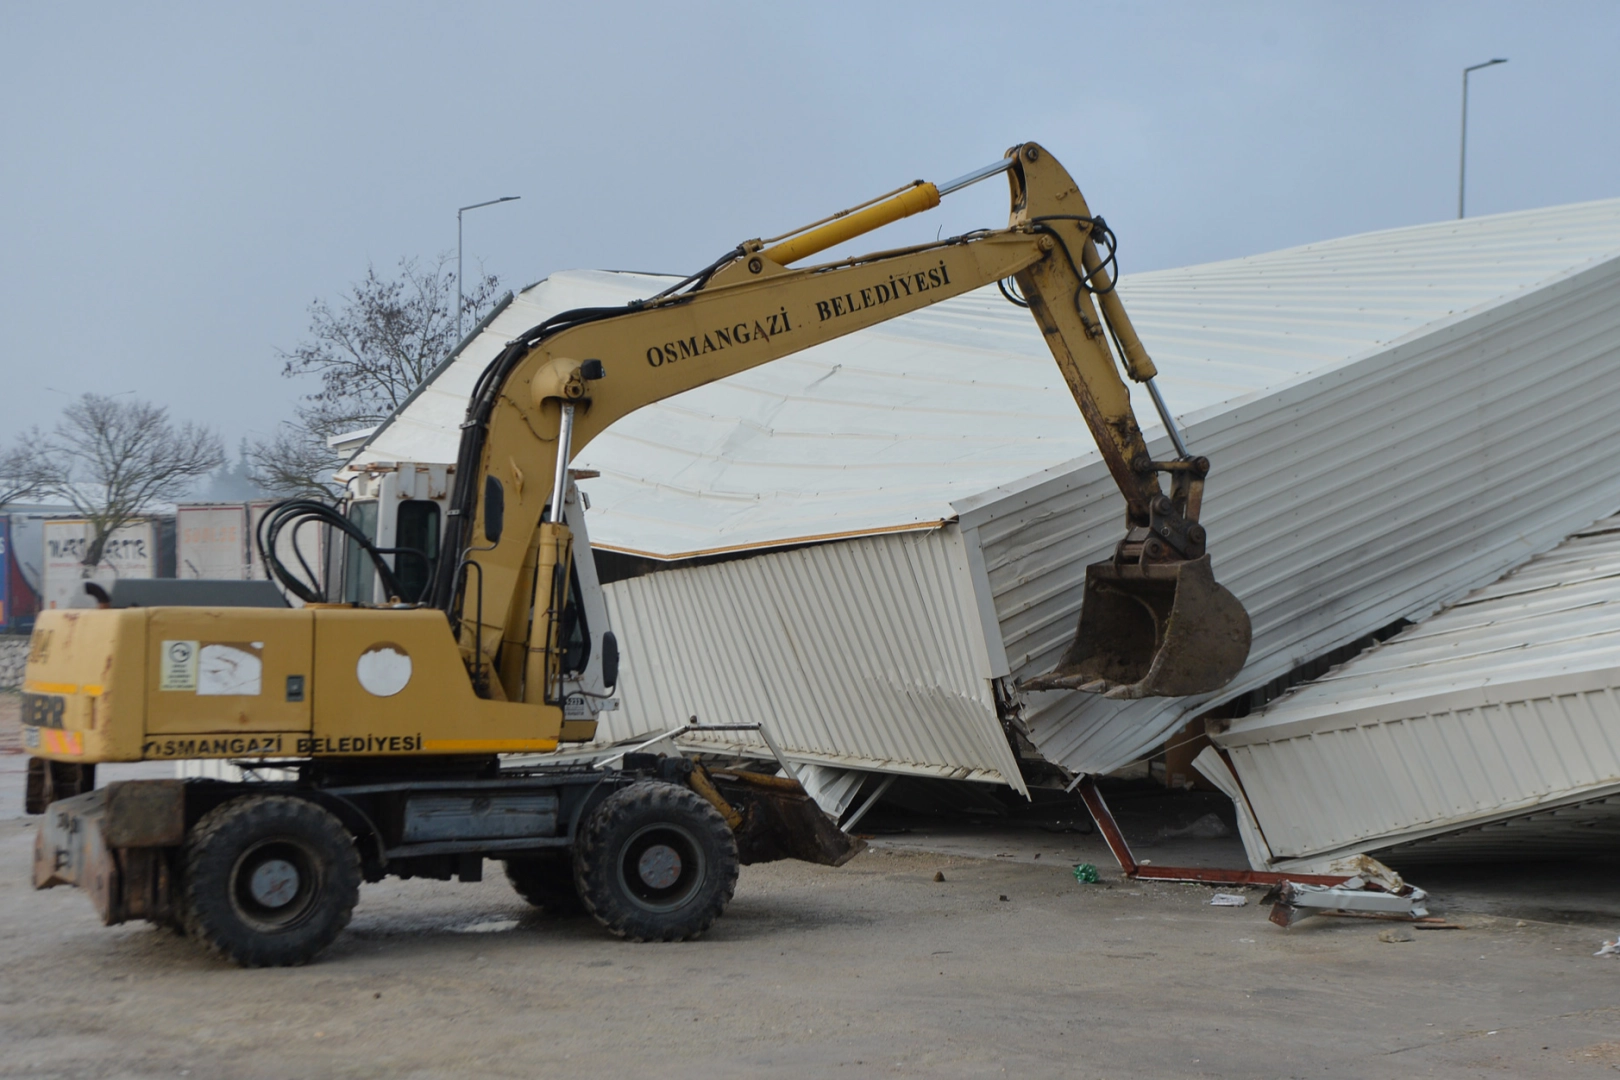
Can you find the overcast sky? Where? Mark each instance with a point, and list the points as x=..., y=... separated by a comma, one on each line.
x=177, y=183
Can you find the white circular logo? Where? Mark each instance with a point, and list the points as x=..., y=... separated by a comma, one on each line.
x=384, y=669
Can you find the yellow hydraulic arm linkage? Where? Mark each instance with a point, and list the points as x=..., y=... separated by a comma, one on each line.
x=1153, y=621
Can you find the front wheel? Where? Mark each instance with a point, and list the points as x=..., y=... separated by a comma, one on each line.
x=270, y=880
x=656, y=862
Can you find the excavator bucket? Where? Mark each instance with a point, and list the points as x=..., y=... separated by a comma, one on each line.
x=781, y=821
x=1155, y=630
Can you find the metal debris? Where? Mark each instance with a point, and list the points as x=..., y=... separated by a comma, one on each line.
x=1292, y=901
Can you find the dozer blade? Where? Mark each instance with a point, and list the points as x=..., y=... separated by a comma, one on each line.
x=1155, y=630
x=781, y=821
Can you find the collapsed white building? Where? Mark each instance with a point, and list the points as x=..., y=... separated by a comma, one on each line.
x=1490, y=730
x=866, y=543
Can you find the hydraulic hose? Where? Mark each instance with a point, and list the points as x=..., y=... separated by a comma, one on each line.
x=295, y=514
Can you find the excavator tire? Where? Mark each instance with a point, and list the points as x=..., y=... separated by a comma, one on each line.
x=547, y=882
x=656, y=862
x=270, y=880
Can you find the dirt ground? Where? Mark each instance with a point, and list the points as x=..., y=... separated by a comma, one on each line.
x=1006, y=967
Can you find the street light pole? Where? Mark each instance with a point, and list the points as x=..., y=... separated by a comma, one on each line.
x=1462, y=169
x=459, y=212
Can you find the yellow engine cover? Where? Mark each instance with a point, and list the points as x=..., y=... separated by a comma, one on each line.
x=169, y=683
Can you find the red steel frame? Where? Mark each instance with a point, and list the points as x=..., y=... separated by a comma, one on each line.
x=1207, y=875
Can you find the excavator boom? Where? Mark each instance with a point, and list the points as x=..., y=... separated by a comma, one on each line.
x=1154, y=621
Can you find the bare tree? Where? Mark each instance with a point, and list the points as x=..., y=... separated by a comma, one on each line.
x=369, y=350
x=111, y=460
x=294, y=461
x=17, y=479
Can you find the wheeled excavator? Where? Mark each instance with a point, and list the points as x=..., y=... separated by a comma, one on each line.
x=386, y=719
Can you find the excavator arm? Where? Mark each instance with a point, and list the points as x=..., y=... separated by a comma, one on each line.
x=1153, y=619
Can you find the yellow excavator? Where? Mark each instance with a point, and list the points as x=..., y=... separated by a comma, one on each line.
x=371, y=735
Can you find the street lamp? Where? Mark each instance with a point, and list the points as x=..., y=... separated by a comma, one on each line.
x=1462, y=170
x=459, y=212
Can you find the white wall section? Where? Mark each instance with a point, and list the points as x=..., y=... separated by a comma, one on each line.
x=1465, y=731
x=858, y=654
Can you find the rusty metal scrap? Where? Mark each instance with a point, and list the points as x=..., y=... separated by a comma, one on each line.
x=1109, y=828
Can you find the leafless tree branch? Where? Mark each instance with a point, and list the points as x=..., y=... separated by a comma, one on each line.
x=293, y=462
x=369, y=351
x=111, y=460
x=17, y=479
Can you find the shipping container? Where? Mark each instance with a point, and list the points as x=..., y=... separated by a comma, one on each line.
x=18, y=600
x=131, y=552
x=212, y=541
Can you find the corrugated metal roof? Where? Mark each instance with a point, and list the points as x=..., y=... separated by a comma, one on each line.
x=1555, y=615
x=1375, y=490
x=1503, y=704
x=903, y=425
x=865, y=654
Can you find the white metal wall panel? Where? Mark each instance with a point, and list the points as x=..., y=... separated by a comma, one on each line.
x=130, y=552
x=1376, y=490
x=212, y=541
x=1373, y=784
x=1504, y=703
x=862, y=654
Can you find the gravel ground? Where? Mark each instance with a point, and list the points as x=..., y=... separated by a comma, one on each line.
x=1007, y=966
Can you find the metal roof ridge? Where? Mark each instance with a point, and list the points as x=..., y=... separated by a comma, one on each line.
x=974, y=508
x=1476, y=223
x=771, y=545
x=1308, y=719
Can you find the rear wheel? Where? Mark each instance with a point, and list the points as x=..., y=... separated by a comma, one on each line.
x=547, y=881
x=270, y=880
x=656, y=862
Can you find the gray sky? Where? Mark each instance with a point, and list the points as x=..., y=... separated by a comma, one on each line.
x=178, y=183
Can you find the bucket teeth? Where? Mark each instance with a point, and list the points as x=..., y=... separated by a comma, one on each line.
x=1155, y=630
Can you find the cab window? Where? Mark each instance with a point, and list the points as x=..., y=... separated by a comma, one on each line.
x=576, y=634
x=358, y=576
x=417, y=530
